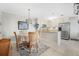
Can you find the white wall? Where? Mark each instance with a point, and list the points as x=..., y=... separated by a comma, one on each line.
x=7, y=23
x=10, y=24
x=0, y=21
x=0, y=24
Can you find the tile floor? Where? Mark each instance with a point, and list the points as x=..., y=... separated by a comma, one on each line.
x=67, y=48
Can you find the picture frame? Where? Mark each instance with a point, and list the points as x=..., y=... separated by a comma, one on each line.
x=23, y=25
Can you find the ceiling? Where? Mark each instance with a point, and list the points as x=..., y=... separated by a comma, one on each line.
x=38, y=10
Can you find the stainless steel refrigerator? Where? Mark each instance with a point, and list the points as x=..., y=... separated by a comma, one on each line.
x=65, y=30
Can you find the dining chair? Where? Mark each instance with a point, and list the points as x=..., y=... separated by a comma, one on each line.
x=33, y=41
x=18, y=39
x=5, y=47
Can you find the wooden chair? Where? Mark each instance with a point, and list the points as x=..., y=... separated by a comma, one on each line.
x=33, y=37
x=18, y=39
x=4, y=47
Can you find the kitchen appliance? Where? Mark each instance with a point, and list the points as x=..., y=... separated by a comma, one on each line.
x=65, y=30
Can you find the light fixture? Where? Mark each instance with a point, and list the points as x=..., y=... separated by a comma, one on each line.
x=28, y=13
x=52, y=17
x=28, y=17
